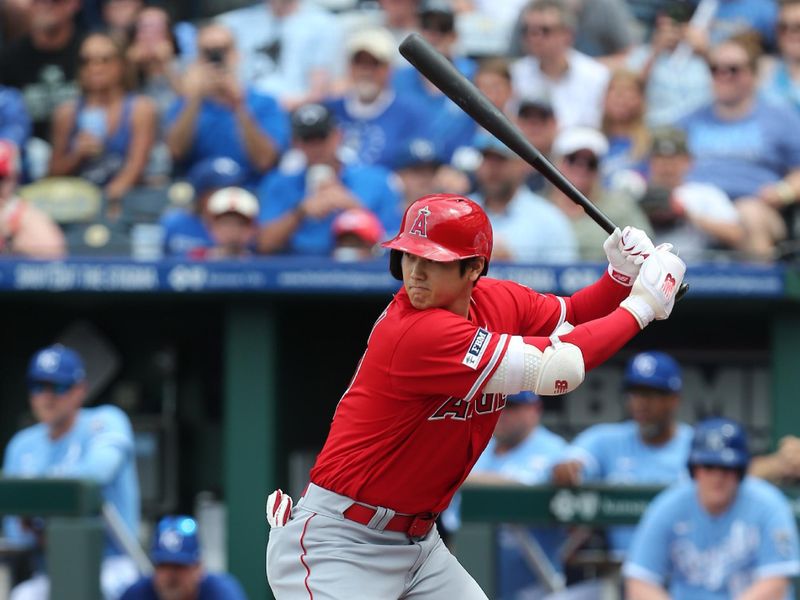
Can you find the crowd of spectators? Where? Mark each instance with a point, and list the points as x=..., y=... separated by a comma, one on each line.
x=682, y=122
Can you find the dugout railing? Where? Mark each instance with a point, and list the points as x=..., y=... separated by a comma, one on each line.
x=483, y=508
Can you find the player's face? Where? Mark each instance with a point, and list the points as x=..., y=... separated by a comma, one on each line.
x=432, y=284
x=716, y=487
x=177, y=582
x=55, y=406
x=515, y=423
x=653, y=410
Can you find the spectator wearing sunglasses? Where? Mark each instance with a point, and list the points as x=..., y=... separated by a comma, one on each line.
x=577, y=153
x=780, y=75
x=70, y=440
x=747, y=146
x=43, y=64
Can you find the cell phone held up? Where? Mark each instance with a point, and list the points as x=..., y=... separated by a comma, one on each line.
x=93, y=121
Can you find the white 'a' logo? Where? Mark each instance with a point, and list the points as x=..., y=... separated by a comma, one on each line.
x=420, y=225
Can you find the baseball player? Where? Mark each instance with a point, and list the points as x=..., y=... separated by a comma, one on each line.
x=720, y=536
x=427, y=394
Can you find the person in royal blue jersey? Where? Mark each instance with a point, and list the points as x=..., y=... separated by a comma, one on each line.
x=179, y=572
x=722, y=535
x=72, y=441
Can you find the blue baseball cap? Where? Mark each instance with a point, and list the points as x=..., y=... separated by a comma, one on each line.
x=215, y=173
x=654, y=370
x=416, y=153
x=175, y=541
x=523, y=398
x=56, y=364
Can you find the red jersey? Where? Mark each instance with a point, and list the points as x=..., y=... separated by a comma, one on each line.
x=414, y=419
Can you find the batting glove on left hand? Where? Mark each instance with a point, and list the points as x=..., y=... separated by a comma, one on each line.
x=626, y=251
x=279, y=508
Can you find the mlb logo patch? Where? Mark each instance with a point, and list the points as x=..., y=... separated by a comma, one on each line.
x=476, y=348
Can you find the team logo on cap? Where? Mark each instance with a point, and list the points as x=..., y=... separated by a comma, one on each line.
x=420, y=225
x=171, y=540
x=49, y=361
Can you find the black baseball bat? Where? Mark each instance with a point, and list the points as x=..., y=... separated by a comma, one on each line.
x=441, y=73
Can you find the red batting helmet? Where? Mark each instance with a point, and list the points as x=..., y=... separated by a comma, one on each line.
x=441, y=227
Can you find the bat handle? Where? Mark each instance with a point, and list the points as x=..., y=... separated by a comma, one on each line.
x=684, y=287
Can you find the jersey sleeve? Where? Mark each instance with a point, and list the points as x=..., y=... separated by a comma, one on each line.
x=648, y=555
x=441, y=353
x=108, y=448
x=777, y=554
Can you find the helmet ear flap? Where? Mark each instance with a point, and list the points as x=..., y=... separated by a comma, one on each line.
x=395, y=268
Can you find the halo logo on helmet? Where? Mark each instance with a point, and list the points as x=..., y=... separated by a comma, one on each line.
x=420, y=225
x=441, y=228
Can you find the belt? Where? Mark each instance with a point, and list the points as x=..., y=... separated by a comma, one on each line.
x=415, y=526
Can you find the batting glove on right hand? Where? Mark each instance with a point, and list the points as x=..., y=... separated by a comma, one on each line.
x=626, y=251
x=279, y=508
x=653, y=292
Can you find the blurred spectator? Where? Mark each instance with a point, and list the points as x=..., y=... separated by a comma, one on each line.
x=782, y=467
x=15, y=124
x=695, y=217
x=43, y=64
x=401, y=18
x=179, y=572
x=445, y=122
x=357, y=233
x=780, y=75
x=623, y=126
x=106, y=135
x=574, y=81
x=153, y=56
x=298, y=208
x=24, y=229
x=291, y=49
x=747, y=147
x=119, y=18
x=522, y=450
x=651, y=448
x=577, y=152
x=669, y=98
x=526, y=227
x=218, y=116
x=14, y=20
x=231, y=222
x=417, y=167
x=72, y=441
x=536, y=120
x=722, y=535
x=736, y=17
x=185, y=229
x=376, y=122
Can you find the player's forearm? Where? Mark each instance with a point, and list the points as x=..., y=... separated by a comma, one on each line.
x=595, y=300
x=636, y=589
x=769, y=588
x=101, y=463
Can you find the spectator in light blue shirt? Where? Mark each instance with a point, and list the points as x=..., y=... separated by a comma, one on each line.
x=72, y=441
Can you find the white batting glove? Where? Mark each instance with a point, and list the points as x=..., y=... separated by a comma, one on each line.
x=653, y=292
x=279, y=508
x=626, y=251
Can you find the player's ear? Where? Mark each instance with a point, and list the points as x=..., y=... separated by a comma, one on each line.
x=475, y=268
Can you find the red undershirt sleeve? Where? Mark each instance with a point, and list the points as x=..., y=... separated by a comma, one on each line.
x=595, y=300
x=599, y=339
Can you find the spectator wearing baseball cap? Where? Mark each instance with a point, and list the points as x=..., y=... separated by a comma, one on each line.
x=527, y=228
x=232, y=223
x=25, y=230
x=418, y=164
x=74, y=441
x=186, y=228
x=536, y=120
x=375, y=121
x=357, y=232
x=179, y=572
x=298, y=206
x=650, y=448
x=697, y=217
x=577, y=153
x=522, y=451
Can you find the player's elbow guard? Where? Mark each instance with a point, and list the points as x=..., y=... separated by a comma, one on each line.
x=556, y=370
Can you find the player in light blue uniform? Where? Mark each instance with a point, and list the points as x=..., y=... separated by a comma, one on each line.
x=521, y=450
x=720, y=536
x=75, y=442
x=651, y=448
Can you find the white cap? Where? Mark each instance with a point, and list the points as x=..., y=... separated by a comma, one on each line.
x=233, y=200
x=571, y=140
x=377, y=42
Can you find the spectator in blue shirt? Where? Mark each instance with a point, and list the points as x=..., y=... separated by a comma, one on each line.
x=179, y=573
x=15, y=124
x=298, y=207
x=185, y=229
x=218, y=116
x=72, y=441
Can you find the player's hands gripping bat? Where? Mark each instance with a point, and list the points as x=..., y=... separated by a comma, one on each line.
x=655, y=289
x=626, y=251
